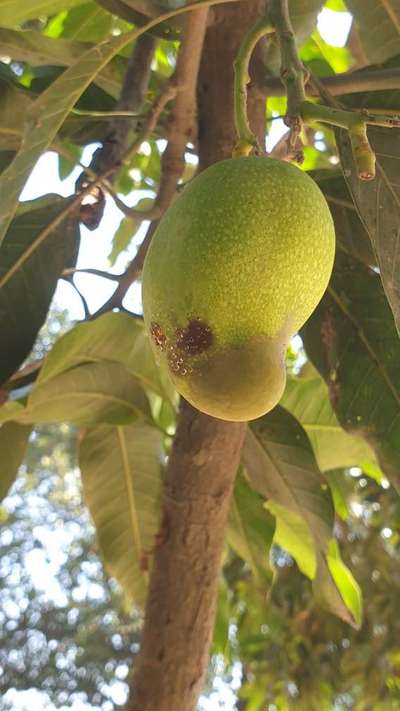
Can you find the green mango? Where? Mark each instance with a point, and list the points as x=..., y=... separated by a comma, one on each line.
x=236, y=266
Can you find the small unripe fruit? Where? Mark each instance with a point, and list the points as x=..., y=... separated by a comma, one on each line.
x=236, y=266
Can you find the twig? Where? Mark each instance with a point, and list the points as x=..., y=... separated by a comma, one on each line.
x=341, y=84
x=70, y=280
x=299, y=110
x=94, y=272
x=133, y=93
x=130, y=275
x=182, y=117
x=293, y=73
x=180, y=127
x=150, y=123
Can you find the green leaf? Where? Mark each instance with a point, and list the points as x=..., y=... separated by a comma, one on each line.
x=46, y=115
x=114, y=337
x=12, y=410
x=351, y=235
x=250, y=530
x=14, y=103
x=336, y=5
x=336, y=59
x=127, y=230
x=345, y=582
x=37, y=49
x=31, y=262
x=351, y=339
x=281, y=466
x=13, y=444
x=334, y=448
x=294, y=536
x=378, y=22
x=340, y=493
x=87, y=22
x=101, y=392
x=378, y=203
x=121, y=468
x=13, y=12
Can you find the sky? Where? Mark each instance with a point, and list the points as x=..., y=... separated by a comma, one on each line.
x=95, y=247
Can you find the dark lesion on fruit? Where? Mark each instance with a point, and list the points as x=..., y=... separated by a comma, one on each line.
x=191, y=341
x=177, y=363
x=158, y=336
x=196, y=338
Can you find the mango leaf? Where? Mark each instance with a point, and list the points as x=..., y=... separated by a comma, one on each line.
x=127, y=230
x=334, y=448
x=114, y=337
x=293, y=534
x=37, y=49
x=88, y=22
x=351, y=339
x=121, y=475
x=32, y=258
x=351, y=235
x=344, y=581
x=378, y=204
x=13, y=12
x=322, y=58
x=13, y=445
x=14, y=103
x=250, y=530
x=378, y=22
x=281, y=466
x=12, y=411
x=101, y=392
x=340, y=492
x=46, y=115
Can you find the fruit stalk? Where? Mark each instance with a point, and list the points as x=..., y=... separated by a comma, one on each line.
x=299, y=110
x=246, y=140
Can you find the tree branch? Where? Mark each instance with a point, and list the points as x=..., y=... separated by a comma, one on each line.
x=107, y=158
x=170, y=667
x=179, y=132
x=180, y=611
x=341, y=84
x=180, y=129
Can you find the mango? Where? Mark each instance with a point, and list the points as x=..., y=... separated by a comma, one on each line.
x=236, y=266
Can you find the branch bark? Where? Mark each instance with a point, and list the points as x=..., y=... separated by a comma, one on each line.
x=180, y=131
x=181, y=123
x=180, y=611
x=132, y=97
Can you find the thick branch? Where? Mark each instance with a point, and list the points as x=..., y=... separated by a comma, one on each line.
x=180, y=611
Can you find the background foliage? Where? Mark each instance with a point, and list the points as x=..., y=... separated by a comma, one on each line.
x=308, y=606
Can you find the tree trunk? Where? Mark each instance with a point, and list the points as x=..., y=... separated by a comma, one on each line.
x=180, y=612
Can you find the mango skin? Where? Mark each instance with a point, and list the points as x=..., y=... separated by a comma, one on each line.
x=236, y=266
